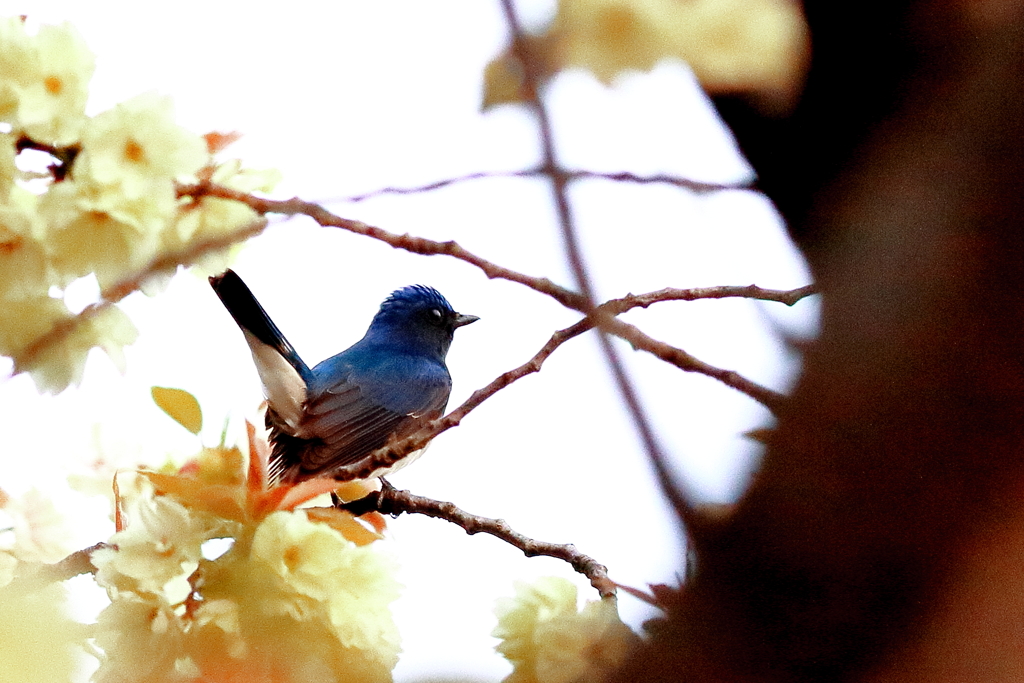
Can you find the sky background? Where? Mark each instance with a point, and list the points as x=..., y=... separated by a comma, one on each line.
x=347, y=97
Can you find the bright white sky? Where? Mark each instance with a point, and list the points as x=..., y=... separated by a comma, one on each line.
x=346, y=97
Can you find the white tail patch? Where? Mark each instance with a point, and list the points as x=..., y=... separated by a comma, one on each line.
x=282, y=385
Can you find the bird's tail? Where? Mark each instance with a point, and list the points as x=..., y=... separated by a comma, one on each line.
x=251, y=317
x=268, y=346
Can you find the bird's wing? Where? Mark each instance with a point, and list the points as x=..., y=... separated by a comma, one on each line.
x=354, y=408
x=284, y=375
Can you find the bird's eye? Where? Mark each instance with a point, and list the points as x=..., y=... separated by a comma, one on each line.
x=435, y=315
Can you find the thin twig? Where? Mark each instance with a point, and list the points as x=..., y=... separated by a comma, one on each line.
x=429, y=187
x=622, y=177
x=531, y=366
x=670, y=354
x=681, y=359
x=410, y=243
x=391, y=501
x=532, y=79
x=78, y=562
x=684, y=183
x=770, y=399
x=782, y=296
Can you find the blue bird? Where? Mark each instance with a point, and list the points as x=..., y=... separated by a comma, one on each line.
x=382, y=388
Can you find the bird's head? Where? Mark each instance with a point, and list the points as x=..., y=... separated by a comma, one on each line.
x=418, y=317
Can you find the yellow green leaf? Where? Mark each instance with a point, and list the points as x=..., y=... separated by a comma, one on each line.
x=181, y=406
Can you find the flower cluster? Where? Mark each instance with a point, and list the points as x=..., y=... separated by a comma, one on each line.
x=549, y=640
x=298, y=595
x=106, y=204
x=755, y=47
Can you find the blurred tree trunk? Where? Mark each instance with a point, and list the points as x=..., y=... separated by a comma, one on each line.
x=884, y=536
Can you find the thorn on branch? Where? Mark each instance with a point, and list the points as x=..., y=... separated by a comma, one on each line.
x=391, y=501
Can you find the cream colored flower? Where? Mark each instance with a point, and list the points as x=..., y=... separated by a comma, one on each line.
x=217, y=632
x=40, y=532
x=8, y=169
x=141, y=638
x=17, y=58
x=92, y=230
x=61, y=363
x=292, y=600
x=24, y=266
x=37, y=638
x=213, y=216
x=354, y=583
x=296, y=602
x=25, y=320
x=301, y=554
x=136, y=143
x=161, y=544
x=209, y=218
x=731, y=45
x=8, y=567
x=754, y=47
x=232, y=174
x=131, y=156
x=112, y=330
x=735, y=46
x=230, y=642
x=52, y=95
x=609, y=36
x=548, y=641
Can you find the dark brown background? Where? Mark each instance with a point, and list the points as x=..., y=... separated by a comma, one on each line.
x=884, y=537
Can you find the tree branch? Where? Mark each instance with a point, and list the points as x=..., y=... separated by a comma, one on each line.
x=170, y=260
x=389, y=455
x=782, y=296
x=392, y=453
x=770, y=399
x=160, y=263
x=410, y=243
x=78, y=562
x=623, y=177
x=391, y=501
x=566, y=297
x=64, y=157
x=532, y=79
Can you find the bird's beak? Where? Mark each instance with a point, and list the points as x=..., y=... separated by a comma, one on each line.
x=463, y=319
